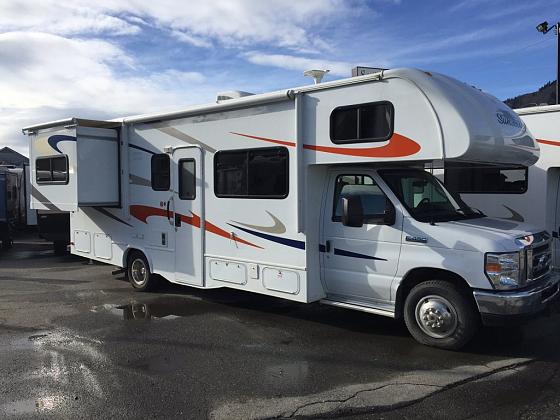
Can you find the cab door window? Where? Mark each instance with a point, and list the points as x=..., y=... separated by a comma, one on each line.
x=375, y=203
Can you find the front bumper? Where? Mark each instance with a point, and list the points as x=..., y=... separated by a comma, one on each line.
x=498, y=306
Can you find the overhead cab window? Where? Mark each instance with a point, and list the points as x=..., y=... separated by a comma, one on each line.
x=251, y=173
x=161, y=172
x=484, y=179
x=51, y=170
x=370, y=122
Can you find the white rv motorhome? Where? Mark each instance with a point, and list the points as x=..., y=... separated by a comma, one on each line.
x=519, y=193
x=312, y=194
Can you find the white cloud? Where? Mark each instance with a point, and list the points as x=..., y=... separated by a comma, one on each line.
x=63, y=18
x=190, y=39
x=292, y=62
x=45, y=77
x=233, y=23
x=59, y=59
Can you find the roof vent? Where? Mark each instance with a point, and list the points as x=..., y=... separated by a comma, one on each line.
x=316, y=74
x=232, y=94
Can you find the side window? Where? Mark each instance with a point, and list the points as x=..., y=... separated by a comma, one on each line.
x=161, y=172
x=486, y=179
x=51, y=170
x=187, y=179
x=252, y=173
x=374, y=202
x=361, y=123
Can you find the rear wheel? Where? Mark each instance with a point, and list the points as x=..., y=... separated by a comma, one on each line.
x=138, y=271
x=440, y=314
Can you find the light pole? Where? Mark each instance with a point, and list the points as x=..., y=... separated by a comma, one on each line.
x=544, y=29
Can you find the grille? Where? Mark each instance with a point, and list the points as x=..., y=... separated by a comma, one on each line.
x=539, y=257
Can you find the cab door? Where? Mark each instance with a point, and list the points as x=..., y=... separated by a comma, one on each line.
x=187, y=212
x=359, y=263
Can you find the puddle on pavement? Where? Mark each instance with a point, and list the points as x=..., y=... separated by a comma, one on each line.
x=31, y=405
x=158, y=309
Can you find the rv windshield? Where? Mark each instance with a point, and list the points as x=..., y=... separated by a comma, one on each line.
x=425, y=197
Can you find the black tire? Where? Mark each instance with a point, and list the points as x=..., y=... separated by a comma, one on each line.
x=60, y=247
x=440, y=314
x=138, y=272
x=7, y=243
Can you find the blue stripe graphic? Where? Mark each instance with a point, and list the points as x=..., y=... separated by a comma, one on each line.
x=284, y=241
x=54, y=140
x=344, y=253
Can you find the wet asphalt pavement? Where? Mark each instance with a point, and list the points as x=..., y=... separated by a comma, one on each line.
x=78, y=342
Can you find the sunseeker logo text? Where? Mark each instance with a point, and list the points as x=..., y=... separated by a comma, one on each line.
x=507, y=118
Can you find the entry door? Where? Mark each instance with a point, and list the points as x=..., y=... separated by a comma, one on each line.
x=359, y=263
x=187, y=210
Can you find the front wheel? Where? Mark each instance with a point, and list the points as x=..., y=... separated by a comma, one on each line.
x=139, y=275
x=439, y=314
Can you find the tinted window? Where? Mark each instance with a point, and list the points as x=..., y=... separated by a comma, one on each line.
x=230, y=174
x=486, y=179
x=59, y=169
x=374, y=201
x=161, y=172
x=43, y=170
x=425, y=197
x=52, y=170
x=187, y=179
x=362, y=123
x=253, y=173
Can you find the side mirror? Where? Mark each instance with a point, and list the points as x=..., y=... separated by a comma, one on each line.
x=390, y=214
x=352, y=211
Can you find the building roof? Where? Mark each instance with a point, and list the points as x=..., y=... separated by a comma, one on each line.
x=11, y=157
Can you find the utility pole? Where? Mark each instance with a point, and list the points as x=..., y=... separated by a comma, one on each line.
x=544, y=29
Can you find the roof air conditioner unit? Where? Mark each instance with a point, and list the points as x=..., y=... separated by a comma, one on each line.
x=232, y=94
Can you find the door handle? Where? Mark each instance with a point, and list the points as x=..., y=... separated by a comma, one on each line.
x=177, y=220
x=328, y=246
x=167, y=209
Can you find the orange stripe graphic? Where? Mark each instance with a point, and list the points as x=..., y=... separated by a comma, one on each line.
x=143, y=212
x=398, y=146
x=549, y=142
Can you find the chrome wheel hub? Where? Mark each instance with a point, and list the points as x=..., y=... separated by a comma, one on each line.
x=139, y=272
x=436, y=316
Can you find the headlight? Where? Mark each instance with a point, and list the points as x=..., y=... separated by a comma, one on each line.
x=506, y=271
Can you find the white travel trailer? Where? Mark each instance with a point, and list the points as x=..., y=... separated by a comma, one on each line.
x=312, y=194
x=514, y=192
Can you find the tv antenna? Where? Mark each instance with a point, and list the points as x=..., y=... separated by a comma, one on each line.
x=316, y=74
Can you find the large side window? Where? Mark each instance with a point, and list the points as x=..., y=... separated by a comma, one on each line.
x=51, y=170
x=374, y=202
x=361, y=123
x=161, y=172
x=252, y=173
x=187, y=179
x=477, y=179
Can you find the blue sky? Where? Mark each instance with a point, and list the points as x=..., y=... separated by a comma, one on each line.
x=111, y=58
